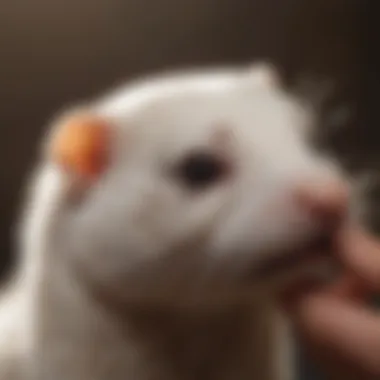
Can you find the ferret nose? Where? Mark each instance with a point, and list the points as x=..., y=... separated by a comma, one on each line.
x=327, y=202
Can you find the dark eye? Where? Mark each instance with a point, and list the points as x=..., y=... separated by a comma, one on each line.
x=199, y=170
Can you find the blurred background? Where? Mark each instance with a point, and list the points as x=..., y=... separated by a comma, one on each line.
x=54, y=52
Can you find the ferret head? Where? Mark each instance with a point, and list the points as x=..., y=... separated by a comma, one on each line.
x=188, y=177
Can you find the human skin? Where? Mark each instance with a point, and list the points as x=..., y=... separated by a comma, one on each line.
x=334, y=322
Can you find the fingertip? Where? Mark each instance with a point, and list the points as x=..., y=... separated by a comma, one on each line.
x=359, y=253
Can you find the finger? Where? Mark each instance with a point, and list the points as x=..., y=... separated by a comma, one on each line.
x=360, y=254
x=351, y=331
x=346, y=287
x=349, y=287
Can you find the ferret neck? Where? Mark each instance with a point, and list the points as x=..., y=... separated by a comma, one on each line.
x=81, y=337
x=148, y=341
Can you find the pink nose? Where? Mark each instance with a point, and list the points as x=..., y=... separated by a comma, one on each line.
x=327, y=202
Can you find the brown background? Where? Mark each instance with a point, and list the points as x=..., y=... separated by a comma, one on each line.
x=56, y=51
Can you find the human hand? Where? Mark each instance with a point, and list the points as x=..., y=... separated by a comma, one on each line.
x=335, y=323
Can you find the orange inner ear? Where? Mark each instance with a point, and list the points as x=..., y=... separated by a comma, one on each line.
x=80, y=146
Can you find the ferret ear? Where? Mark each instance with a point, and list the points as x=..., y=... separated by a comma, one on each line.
x=79, y=144
x=265, y=74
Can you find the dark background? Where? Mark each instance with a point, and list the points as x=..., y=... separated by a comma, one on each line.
x=54, y=52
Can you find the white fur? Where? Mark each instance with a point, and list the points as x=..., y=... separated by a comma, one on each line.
x=138, y=278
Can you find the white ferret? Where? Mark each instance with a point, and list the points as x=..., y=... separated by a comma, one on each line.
x=157, y=218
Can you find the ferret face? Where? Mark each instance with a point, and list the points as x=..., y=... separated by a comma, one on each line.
x=201, y=180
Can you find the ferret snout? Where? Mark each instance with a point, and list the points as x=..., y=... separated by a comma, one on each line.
x=327, y=202
x=325, y=205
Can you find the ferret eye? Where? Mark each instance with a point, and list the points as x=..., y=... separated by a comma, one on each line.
x=200, y=170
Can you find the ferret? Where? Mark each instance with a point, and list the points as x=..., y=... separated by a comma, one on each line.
x=158, y=223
